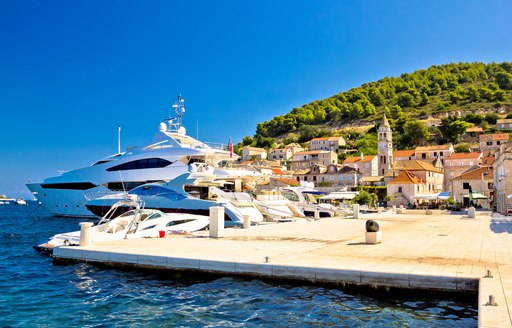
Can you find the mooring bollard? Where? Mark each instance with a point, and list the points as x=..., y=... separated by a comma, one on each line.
x=471, y=213
x=85, y=233
x=355, y=210
x=216, y=222
x=247, y=221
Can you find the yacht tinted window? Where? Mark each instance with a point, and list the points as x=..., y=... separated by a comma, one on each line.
x=69, y=185
x=157, y=191
x=147, y=163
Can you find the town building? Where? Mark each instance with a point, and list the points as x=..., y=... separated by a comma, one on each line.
x=473, y=187
x=280, y=154
x=502, y=167
x=491, y=142
x=472, y=134
x=405, y=188
x=367, y=165
x=327, y=143
x=432, y=152
x=336, y=176
x=457, y=163
x=504, y=124
x=253, y=153
x=305, y=159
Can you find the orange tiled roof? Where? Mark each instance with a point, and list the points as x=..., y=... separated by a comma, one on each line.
x=487, y=160
x=431, y=148
x=474, y=129
x=405, y=177
x=476, y=174
x=326, y=138
x=504, y=121
x=310, y=152
x=404, y=153
x=356, y=159
x=464, y=155
x=494, y=137
x=420, y=166
x=277, y=171
x=287, y=181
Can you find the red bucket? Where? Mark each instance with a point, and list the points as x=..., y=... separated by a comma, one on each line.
x=161, y=233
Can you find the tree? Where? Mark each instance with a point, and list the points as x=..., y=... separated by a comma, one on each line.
x=415, y=133
x=452, y=128
x=365, y=197
x=504, y=80
x=491, y=118
x=247, y=141
x=462, y=148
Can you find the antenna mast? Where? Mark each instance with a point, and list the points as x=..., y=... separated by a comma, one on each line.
x=119, y=139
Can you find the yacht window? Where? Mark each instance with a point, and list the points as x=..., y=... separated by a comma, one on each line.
x=146, y=163
x=125, y=185
x=154, y=216
x=69, y=185
x=102, y=161
x=152, y=190
x=125, y=214
x=171, y=223
x=290, y=195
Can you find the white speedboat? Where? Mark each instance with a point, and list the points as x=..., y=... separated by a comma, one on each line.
x=134, y=223
x=304, y=198
x=193, y=193
x=20, y=201
x=167, y=157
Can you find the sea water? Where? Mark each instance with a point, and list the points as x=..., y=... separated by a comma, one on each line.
x=36, y=293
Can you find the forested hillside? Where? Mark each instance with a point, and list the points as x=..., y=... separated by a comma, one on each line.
x=464, y=87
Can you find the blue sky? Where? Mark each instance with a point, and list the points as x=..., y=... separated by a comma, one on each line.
x=72, y=71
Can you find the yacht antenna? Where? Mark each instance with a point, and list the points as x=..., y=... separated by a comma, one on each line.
x=119, y=139
x=179, y=108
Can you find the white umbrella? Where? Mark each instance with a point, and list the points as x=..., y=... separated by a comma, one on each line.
x=509, y=196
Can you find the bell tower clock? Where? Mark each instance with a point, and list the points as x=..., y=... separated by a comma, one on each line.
x=385, y=146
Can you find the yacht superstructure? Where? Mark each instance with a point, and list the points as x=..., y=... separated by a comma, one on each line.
x=167, y=157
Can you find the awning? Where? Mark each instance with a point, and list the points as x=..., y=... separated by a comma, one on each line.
x=476, y=195
x=340, y=195
x=443, y=195
x=426, y=196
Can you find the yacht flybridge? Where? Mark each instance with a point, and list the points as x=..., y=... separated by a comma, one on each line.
x=167, y=157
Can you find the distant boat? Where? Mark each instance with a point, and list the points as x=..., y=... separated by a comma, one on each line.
x=20, y=201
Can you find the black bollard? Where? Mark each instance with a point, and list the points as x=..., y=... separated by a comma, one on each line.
x=372, y=226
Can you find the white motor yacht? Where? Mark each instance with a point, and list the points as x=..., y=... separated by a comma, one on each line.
x=193, y=193
x=167, y=157
x=136, y=222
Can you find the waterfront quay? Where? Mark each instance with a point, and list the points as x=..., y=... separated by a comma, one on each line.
x=444, y=252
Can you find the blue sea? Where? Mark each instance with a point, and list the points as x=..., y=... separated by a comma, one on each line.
x=36, y=293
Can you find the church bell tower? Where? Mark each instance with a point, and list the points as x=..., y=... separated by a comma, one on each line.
x=385, y=144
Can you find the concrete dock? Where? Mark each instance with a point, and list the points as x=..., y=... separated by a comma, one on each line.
x=442, y=251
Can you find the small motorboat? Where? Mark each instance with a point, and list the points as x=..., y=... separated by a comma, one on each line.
x=137, y=222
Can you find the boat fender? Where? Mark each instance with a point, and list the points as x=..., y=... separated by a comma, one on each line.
x=66, y=242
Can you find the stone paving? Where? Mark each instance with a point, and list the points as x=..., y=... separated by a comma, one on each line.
x=439, y=251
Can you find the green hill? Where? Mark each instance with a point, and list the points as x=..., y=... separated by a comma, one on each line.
x=463, y=87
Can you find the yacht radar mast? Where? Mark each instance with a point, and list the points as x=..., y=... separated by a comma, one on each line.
x=179, y=108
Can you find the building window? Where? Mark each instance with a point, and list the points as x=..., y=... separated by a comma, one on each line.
x=399, y=189
x=435, y=153
x=489, y=143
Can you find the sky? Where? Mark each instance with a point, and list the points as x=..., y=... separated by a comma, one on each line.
x=71, y=72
